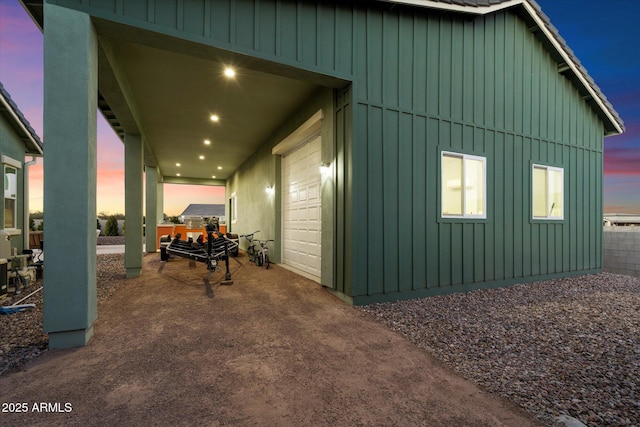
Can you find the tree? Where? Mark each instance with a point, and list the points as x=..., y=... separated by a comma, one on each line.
x=111, y=227
x=36, y=214
x=40, y=226
x=32, y=223
x=98, y=226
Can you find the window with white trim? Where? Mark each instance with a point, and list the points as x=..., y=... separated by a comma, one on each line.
x=464, y=186
x=548, y=192
x=234, y=208
x=10, y=196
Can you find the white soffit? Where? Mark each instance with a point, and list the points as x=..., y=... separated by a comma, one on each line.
x=476, y=10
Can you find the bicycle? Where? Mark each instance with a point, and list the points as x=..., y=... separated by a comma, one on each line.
x=251, y=249
x=263, y=258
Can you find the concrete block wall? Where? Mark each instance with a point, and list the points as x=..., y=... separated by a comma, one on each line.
x=622, y=250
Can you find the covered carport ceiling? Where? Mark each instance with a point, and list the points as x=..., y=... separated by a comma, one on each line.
x=176, y=94
x=166, y=89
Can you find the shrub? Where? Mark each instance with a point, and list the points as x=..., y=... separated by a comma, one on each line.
x=111, y=227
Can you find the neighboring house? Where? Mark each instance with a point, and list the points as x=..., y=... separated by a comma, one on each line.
x=393, y=149
x=203, y=211
x=17, y=140
x=621, y=219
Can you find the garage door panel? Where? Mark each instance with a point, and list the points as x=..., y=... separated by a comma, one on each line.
x=302, y=208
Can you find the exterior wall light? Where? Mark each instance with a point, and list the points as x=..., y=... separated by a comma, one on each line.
x=325, y=168
x=270, y=190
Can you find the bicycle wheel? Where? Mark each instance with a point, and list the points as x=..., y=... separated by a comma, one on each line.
x=259, y=259
x=266, y=261
x=251, y=253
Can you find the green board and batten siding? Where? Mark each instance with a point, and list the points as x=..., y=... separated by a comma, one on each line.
x=422, y=81
x=487, y=87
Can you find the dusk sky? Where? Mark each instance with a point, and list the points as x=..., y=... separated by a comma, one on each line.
x=604, y=36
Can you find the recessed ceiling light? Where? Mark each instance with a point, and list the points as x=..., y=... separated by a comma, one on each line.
x=229, y=72
x=214, y=118
x=178, y=164
x=219, y=168
x=207, y=142
x=201, y=157
x=177, y=174
x=213, y=176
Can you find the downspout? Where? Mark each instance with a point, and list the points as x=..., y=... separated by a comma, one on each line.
x=25, y=202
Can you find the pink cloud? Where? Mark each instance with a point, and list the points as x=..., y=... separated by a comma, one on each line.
x=622, y=161
x=622, y=208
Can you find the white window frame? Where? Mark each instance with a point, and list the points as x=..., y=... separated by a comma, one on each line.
x=234, y=208
x=464, y=158
x=8, y=162
x=548, y=217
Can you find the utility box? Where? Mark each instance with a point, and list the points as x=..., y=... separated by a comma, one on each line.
x=5, y=244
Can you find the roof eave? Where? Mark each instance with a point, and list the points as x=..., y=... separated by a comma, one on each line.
x=34, y=9
x=32, y=145
x=615, y=124
x=475, y=10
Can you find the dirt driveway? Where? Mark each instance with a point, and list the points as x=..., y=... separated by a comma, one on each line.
x=273, y=349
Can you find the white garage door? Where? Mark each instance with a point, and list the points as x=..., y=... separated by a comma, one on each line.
x=301, y=203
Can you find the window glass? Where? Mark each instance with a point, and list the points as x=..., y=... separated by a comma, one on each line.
x=9, y=213
x=10, y=194
x=548, y=192
x=474, y=187
x=463, y=186
x=451, y=188
x=555, y=194
x=539, y=192
x=234, y=208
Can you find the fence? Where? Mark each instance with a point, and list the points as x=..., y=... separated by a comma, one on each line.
x=622, y=250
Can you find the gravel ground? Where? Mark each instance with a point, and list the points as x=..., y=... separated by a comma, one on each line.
x=21, y=336
x=569, y=346
x=110, y=240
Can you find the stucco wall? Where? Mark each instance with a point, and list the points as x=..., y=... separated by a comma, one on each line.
x=258, y=210
x=622, y=250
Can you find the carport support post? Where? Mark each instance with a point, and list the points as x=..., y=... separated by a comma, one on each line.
x=70, y=101
x=151, y=215
x=160, y=199
x=133, y=164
